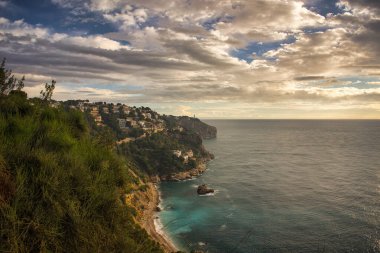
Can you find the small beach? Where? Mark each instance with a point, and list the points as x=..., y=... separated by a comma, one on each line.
x=151, y=223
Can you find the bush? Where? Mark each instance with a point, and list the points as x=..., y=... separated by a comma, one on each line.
x=154, y=154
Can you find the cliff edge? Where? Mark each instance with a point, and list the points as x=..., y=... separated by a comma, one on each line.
x=196, y=125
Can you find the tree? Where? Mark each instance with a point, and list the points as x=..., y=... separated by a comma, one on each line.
x=48, y=92
x=9, y=82
x=136, y=132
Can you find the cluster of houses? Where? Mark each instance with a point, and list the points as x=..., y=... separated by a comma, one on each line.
x=127, y=117
x=145, y=119
x=87, y=106
x=95, y=114
x=186, y=156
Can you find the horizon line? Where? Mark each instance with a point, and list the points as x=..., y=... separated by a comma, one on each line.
x=343, y=119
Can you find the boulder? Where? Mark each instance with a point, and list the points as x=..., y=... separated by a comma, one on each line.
x=203, y=189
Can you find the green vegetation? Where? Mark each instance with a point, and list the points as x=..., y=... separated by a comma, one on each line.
x=61, y=185
x=154, y=154
x=8, y=82
x=136, y=132
x=64, y=184
x=111, y=121
x=48, y=92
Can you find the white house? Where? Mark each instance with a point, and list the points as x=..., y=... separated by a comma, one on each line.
x=190, y=153
x=122, y=123
x=177, y=153
x=98, y=119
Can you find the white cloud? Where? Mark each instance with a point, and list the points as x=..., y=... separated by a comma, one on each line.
x=20, y=28
x=33, y=34
x=181, y=52
x=127, y=19
x=104, y=5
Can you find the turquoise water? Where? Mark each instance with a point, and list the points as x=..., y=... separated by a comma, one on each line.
x=282, y=186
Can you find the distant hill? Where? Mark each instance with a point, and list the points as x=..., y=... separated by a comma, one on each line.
x=195, y=125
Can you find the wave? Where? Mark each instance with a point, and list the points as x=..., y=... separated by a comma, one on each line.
x=208, y=194
x=159, y=227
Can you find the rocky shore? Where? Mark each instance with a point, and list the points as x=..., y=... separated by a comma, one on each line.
x=183, y=175
x=148, y=201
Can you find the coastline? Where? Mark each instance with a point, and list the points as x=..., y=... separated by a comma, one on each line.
x=150, y=220
x=184, y=175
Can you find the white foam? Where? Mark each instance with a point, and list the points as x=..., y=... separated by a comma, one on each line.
x=160, y=200
x=210, y=194
x=207, y=194
x=158, y=226
x=188, y=179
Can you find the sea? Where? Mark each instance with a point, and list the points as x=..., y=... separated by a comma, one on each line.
x=281, y=186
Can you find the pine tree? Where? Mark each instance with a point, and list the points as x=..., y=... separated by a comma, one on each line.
x=9, y=82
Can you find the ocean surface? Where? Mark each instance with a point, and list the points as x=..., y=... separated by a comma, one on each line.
x=282, y=186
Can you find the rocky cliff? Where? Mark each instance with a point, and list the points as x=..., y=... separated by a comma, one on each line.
x=196, y=125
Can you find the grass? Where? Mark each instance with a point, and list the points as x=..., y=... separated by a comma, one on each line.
x=61, y=187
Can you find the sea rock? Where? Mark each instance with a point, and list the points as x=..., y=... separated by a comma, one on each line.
x=158, y=209
x=203, y=189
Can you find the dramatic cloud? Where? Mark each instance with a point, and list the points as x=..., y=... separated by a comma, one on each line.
x=230, y=53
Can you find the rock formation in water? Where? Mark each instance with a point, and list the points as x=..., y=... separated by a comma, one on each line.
x=203, y=189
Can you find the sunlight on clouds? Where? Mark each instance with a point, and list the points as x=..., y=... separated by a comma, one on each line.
x=182, y=52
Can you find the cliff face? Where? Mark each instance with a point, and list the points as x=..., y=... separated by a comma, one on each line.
x=194, y=124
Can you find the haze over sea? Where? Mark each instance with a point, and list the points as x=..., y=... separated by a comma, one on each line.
x=282, y=186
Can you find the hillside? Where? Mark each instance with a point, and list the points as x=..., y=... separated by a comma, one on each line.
x=62, y=186
x=160, y=145
x=193, y=125
x=78, y=176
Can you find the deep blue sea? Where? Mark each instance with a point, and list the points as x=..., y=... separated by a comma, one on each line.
x=282, y=186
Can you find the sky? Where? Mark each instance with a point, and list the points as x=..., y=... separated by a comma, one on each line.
x=245, y=59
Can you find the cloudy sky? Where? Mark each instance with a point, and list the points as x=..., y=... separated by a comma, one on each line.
x=212, y=58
